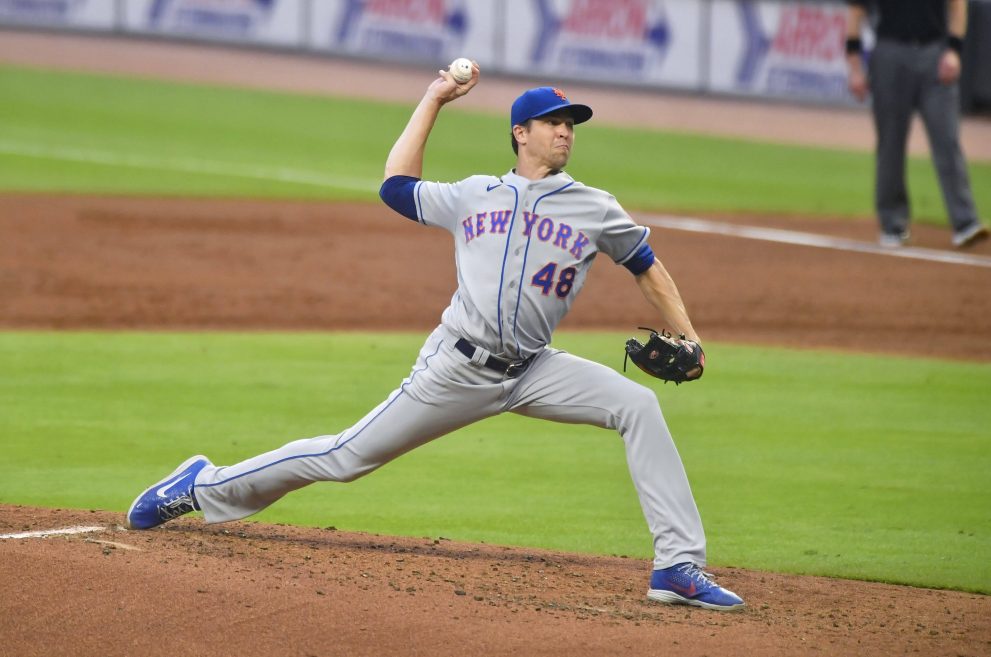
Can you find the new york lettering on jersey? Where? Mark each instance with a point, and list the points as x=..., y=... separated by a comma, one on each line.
x=544, y=228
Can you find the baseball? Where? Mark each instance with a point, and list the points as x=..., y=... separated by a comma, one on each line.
x=460, y=70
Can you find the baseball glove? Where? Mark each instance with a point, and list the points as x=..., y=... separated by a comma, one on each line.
x=665, y=357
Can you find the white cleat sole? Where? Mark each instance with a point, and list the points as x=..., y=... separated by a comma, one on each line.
x=672, y=598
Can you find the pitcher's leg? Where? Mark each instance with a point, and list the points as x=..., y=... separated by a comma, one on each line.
x=565, y=388
x=395, y=427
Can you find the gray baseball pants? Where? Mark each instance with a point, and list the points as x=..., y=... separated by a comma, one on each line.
x=904, y=79
x=444, y=392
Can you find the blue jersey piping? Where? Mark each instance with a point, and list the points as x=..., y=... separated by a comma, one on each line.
x=505, y=254
x=419, y=204
x=635, y=247
x=519, y=292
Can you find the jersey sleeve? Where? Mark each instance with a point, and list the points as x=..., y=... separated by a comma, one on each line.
x=621, y=238
x=398, y=193
x=438, y=204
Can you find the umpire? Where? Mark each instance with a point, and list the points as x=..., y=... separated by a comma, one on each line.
x=915, y=66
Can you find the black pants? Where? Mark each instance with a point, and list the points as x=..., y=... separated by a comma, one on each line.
x=904, y=79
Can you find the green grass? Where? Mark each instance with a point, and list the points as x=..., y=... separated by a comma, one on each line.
x=67, y=132
x=805, y=462
x=852, y=466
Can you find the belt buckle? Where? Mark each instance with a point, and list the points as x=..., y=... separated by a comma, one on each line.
x=511, y=371
x=514, y=370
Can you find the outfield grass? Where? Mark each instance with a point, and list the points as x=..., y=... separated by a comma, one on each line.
x=804, y=462
x=68, y=132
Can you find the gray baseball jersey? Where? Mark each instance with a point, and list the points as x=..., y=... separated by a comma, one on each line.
x=523, y=248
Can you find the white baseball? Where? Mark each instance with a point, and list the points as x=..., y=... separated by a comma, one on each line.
x=460, y=70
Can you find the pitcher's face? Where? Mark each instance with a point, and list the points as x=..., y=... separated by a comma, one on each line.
x=549, y=140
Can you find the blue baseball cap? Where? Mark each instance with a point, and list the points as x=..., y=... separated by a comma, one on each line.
x=545, y=100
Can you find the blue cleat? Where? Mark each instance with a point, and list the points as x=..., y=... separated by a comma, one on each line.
x=686, y=584
x=170, y=498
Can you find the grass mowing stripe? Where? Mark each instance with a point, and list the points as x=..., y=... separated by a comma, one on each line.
x=348, y=141
x=198, y=165
x=843, y=465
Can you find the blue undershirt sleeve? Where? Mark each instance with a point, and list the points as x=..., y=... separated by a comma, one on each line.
x=641, y=260
x=398, y=194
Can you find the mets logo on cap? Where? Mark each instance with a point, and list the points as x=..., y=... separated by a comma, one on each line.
x=538, y=102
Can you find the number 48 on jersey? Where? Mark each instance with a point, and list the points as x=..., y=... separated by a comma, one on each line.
x=544, y=279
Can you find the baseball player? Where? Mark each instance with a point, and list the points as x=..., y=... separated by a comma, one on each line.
x=524, y=242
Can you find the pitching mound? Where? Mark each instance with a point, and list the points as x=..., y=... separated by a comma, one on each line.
x=251, y=589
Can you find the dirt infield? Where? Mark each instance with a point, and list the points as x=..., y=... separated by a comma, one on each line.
x=248, y=589
x=112, y=263
x=245, y=589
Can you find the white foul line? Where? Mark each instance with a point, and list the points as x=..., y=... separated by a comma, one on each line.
x=811, y=239
x=54, y=532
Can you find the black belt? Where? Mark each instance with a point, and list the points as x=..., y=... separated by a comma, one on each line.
x=507, y=368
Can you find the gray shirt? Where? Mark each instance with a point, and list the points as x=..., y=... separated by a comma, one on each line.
x=523, y=248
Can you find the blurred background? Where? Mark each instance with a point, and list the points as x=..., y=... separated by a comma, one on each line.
x=768, y=49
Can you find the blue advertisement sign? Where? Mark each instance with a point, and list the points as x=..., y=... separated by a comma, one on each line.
x=599, y=37
x=423, y=30
x=75, y=13
x=640, y=41
x=228, y=18
x=785, y=49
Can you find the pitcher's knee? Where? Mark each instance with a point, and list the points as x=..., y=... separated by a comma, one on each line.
x=638, y=400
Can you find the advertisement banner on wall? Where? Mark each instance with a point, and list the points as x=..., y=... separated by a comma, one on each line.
x=431, y=32
x=626, y=41
x=81, y=14
x=783, y=49
x=270, y=22
x=765, y=48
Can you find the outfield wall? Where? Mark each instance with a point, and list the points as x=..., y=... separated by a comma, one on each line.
x=758, y=48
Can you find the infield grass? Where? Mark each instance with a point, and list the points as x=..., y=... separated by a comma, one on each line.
x=68, y=132
x=805, y=462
